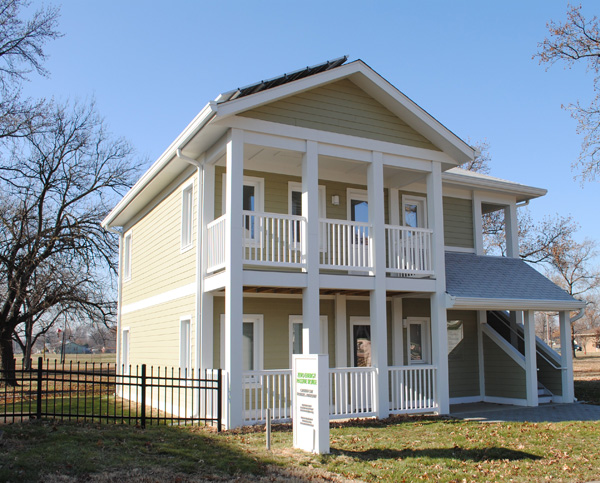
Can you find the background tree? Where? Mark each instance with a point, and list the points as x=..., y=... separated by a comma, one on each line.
x=568, y=43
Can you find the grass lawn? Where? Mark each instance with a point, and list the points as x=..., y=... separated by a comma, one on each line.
x=404, y=449
x=586, y=370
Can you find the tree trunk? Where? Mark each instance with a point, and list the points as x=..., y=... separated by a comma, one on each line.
x=28, y=344
x=7, y=357
x=573, y=342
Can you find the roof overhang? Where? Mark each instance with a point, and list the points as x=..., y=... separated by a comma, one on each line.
x=476, y=303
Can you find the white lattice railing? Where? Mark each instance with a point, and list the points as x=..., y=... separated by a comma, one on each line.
x=264, y=390
x=215, y=234
x=352, y=392
x=409, y=250
x=412, y=389
x=272, y=239
x=345, y=245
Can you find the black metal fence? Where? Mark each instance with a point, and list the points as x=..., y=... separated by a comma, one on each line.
x=97, y=392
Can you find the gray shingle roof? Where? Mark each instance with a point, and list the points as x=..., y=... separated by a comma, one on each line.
x=473, y=276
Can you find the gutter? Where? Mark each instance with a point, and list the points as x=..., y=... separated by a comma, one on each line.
x=206, y=114
x=578, y=316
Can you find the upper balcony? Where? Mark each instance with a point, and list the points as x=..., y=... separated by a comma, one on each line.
x=276, y=241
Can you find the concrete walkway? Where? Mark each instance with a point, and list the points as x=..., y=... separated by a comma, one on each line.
x=488, y=412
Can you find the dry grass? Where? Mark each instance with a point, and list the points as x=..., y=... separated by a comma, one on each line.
x=586, y=370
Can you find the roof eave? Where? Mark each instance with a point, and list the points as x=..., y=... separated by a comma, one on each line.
x=477, y=303
x=523, y=192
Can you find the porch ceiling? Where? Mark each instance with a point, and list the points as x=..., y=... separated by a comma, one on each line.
x=324, y=291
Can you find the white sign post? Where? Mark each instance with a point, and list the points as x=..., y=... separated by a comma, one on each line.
x=310, y=381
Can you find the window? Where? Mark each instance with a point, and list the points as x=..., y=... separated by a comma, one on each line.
x=125, y=350
x=185, y=353
x=418, y=345
x=252, y=342
x=361, y=341
x=414, y=211
x=187, y=210
x=358, y=206
x=127, y=257
x=295, y=206
x=252, y=200
x=296, y=335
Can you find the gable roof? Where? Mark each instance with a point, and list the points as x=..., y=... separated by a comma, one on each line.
x=501, y=283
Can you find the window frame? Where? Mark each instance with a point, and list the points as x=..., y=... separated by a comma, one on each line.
x=187, y=218
x=357, y=320
x=258, y=333
x=358, y=195
x=127, y=255
x=185, y=336
x=323, y=334
x=125, y=350
x=425, y=323
x=421, y=202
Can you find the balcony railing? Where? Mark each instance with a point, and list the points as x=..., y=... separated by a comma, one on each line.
x=275, y=240
x=409, y=250
x=412, y=389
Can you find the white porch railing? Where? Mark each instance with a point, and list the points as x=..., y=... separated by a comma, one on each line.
x=345, y=245
x=352, y=392
x=215, y=234
x=272, y=239
x=262, y=390
x=409, y=250
x=412, y=389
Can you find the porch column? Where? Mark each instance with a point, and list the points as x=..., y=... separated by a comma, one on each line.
x=439, y=330
x=378, y=296
x=530, y=362
x=206, y=204
x=512, y=231
x=310, y=250
x=566, y=357
x=341, y=334
x=233, y=279
x=398, y=339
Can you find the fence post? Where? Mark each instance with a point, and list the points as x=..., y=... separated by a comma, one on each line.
x=143, y=402
x=38, y=414
x=219, y=399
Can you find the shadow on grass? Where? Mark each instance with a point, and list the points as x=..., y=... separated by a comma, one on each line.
x=457, y=453
x=588, y=391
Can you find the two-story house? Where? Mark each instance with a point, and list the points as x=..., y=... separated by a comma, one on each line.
x=323, y=211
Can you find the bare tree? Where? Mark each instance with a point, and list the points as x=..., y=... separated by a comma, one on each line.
x=56, y=186
x=578, y=41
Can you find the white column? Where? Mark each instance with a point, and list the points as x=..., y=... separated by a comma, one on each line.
x=206, y=340
x=439, y=330
x=511, y=230
x=310, y=249
x=481, y=319
x=531, y=380
x=341, y=333
x=566, y=357
x=397, y=334
x=233, y=283
x=378, y=295
x=477, y=224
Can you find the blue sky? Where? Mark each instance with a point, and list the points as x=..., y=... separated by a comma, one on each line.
x=151, y=66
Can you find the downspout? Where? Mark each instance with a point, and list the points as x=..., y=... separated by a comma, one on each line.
x=525, y=203
x=199, y=254
x=578, y=316
x=119, y=295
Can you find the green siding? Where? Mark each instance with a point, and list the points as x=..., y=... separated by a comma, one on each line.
x=503, y=376
x=550, y=377
x=344, y=108
x=463, y=361
x=458, y=222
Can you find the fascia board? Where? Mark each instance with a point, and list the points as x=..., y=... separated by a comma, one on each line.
x=513, y=304
x=529, y=192
x=165, y=158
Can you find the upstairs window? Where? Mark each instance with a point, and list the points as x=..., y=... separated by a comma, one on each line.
x=187, y=210
x=127, y=257
x=414, y=211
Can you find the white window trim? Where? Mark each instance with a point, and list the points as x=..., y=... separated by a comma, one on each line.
x=421, y=203
x=259, y=356
x=127, y=260
x=295, y=186
x=356, y=320
x=425, y=323
x=354, y=194
x=127, y=352
x=185, y=364
x=323, y=334
x=259, y=192
x=185, y=246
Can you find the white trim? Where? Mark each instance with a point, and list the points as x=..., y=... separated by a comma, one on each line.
x=465, y=400
x=425, y=323
x=258, y=331
x=127, y=255
x=357, y=320
x=185, y=339
x=127, y=352
x=323, y=333
x=476, y=303
x=187, y=218
x=295, y=186
x=501, y=342
x=459, y=249
x=421, y=203
x=177, y=293
x=259, y=192
x=355, y=194
x=507, y=187
x=505, y=400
